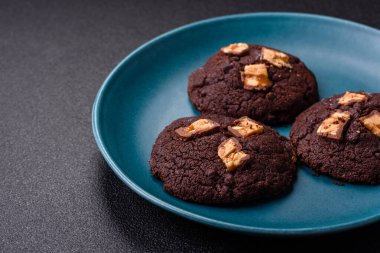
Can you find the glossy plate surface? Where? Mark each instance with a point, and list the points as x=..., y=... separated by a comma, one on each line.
x=148, y=90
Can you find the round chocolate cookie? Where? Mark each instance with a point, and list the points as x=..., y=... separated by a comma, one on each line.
x=262, y=83
x=215, y=159
x=340, y=137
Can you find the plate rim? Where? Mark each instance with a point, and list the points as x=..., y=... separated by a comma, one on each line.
x=191, y=215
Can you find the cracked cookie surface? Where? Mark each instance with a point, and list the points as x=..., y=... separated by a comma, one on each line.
x=355, y=157
x=217, y=87
x=193, y=171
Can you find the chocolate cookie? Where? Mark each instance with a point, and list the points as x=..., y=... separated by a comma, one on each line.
x=340, y=137
x=262, y=83
x=217, y=159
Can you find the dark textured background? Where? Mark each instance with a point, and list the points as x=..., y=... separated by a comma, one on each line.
x=56, y=192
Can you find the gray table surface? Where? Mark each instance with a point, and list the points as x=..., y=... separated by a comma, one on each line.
x=56, y=192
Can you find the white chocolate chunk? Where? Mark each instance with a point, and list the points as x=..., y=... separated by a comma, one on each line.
x=255, y=77
x=372, y=122
x=333, y=126
x=275, y=57
x=197, y=127
x=235, y=160
x=245, y=127
x=232, y=156
x=351, y=98
x=235, y=49
x=228, y=146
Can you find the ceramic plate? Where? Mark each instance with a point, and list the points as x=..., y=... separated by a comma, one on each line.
x=148, y=90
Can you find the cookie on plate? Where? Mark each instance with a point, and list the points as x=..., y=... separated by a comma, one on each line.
x=263, y=83
x=217, y=159
x=340, y=137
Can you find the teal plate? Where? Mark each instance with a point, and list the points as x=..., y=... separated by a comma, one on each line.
x=148, y=90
